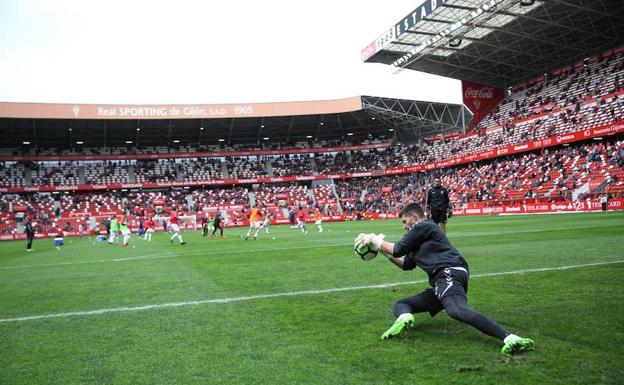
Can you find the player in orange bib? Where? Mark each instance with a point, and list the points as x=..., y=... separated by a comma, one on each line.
x=318, y=219
x=254, y=222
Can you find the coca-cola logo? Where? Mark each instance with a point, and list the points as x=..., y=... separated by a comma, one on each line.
x=479, y=93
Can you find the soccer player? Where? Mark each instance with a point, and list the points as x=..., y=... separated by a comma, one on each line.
x=114, y=228
x=205, y=220
x=218, y=225
x=426, y=246
x=438, y=203
x=291, y=217
x=267, y=222
x=301, y=220
x=318, y=219
x=125, y=231
x=59, y=239
x=174, y=222
x=149, y=229
x=254, y=222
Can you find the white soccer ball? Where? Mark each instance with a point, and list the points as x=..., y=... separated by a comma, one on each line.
x=366, y=253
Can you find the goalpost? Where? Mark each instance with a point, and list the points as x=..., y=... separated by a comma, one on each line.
x=188, y=222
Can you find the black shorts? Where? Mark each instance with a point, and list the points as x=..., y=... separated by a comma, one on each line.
x=449, y=282
x=438, y=216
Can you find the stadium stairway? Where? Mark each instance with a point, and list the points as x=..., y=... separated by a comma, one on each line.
x=131, y=174
x=310, y=193
x=179, y=169
x=28, y=176
x=315, y=166
x=224, y=170
x=81, y=175
x=269, y=167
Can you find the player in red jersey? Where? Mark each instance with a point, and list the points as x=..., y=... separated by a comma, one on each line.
x=174, y=222
x=301, y=220
x=149, y=229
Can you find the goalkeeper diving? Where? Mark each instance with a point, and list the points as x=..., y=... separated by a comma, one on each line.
x=426, y=246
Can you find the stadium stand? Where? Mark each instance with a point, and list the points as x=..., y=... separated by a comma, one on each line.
x=359, y=179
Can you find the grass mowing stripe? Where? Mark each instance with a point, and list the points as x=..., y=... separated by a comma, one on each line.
x=192, y=254
x=150, y=257
x=284, y=294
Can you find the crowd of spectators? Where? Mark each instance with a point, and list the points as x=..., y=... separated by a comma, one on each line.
x=550, y=175
x=292, y=165
x=574, y=99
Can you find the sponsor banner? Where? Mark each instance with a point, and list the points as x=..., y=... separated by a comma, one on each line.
x=576, y=206
x=426, y=8
x=440, y=137
x=410, y=20
x=214, y=154
x=544, y=107
x=92, y=214
x=595, y=183
x=177, y=111
x=369, y=51
x=480, y=100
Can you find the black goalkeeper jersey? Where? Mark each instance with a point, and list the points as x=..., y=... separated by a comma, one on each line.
x=425, y=245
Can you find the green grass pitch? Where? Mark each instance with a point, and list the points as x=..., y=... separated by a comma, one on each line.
x=305, y=310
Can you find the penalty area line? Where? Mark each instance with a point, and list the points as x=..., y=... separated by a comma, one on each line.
x=127, y=309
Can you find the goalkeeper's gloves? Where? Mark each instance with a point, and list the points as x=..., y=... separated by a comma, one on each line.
x=371, y=240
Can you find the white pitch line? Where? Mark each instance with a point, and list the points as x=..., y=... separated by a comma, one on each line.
x=126, y=309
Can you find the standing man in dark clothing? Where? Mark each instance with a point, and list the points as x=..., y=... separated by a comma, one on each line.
x=438, y=203
x=218, y=225
x=291, y=217
x=30, y=234
x=204, y=223
x=425, y=246
x=106, y=223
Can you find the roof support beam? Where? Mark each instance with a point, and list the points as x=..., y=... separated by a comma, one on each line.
x=230, y=130
x=34, y=127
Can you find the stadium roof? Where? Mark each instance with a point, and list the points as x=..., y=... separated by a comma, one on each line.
x=499, y=42
x=404, y=120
